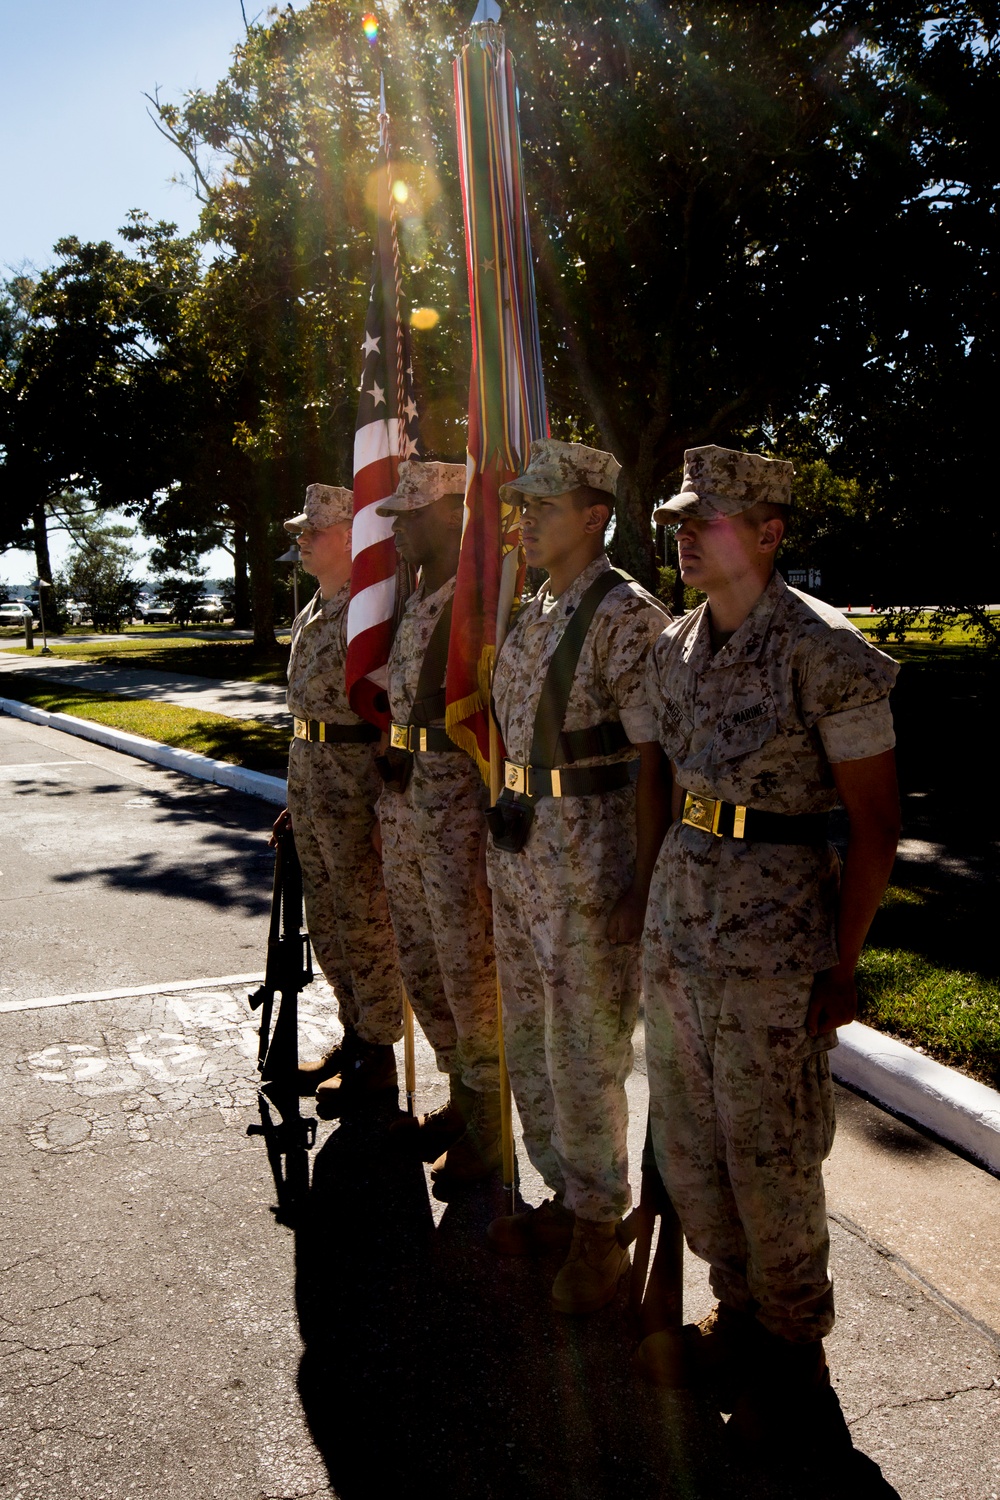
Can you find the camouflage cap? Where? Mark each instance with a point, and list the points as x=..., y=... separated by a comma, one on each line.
x=555, y=468
x=422, y=483
x=326, y=505
x=722, y=482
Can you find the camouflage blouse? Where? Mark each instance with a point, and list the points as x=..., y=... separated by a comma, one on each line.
x=760, y=722
x=610, y=679
x=316, y=685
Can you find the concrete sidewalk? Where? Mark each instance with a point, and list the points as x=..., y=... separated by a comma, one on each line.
x=236, y=699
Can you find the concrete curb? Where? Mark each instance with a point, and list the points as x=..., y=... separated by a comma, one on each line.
x=237, y=778
x=957, y=1109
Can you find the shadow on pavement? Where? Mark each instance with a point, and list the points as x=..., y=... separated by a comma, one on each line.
x=232, y=865
x=435, y=1367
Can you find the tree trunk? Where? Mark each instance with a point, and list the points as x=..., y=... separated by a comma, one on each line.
x=633, y=548
x=43, y=564
x=260, y=561
x=241, y=580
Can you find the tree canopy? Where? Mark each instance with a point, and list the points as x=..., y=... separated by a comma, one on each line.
x=765, y=226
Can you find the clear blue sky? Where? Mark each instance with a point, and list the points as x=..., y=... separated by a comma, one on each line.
x=77, y=149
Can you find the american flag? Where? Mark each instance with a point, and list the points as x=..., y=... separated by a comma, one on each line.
x=386, y=433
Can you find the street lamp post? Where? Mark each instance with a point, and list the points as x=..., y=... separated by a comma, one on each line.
x=294, y=557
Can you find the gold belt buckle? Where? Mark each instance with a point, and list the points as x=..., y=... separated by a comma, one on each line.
x=702, y=812
x=399, y=736
x=705, y=812
x=515, y=777
x=421, y=739
x=301, y=728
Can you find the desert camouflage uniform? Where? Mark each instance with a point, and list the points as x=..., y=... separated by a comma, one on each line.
x=741, y=1099
x=430, y=850
x=570, y=997
x=332, y=791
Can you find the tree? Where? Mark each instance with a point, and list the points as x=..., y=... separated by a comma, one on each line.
x=288, y=210
x=99, y=574
x=89, y=402
x=751, y=234
x=765, y=226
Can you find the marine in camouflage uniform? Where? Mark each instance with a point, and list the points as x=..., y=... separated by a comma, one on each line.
x=570, y=993
x=431, y=833
x=737, y=929
x=332, y=791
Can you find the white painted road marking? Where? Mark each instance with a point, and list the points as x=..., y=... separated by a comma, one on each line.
x=124, y=994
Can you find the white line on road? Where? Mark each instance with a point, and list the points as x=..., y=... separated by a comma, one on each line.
x=141, y=989
x=33, y=765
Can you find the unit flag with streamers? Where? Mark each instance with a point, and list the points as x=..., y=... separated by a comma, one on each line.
x=386, y=433
x=506, y=391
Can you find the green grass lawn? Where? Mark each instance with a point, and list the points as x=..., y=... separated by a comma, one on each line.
x=244, y=742
x=916, y=637
x=947, y=1008
x=241, y=660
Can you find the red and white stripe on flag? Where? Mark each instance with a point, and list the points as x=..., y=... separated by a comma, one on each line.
x=386, y=433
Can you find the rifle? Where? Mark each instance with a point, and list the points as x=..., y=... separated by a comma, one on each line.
x=287, y=972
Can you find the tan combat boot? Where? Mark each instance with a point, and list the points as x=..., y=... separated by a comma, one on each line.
x=426, y=1136
x=721, y=1351
x=319, y=1069
x=533, y=1232
x=476, y=1152
x=596, y=1263
x=367, y=1075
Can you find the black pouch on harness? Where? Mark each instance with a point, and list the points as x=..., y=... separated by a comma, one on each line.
x=510, y=823
x=395, y=768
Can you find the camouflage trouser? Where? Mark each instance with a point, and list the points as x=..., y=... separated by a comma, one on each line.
x=331, y=803
x=570, y=998
x=741, y=1106
x=430, y=854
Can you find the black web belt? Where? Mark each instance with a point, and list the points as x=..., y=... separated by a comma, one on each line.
x=734, y=821
x=413, y=737
x=316, y=731
x=563, y=781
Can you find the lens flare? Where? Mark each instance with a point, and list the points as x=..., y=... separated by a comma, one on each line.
x=400, y=191
x=424, y=317
x=370, y=27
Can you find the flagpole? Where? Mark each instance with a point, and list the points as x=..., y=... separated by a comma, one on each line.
x=506, y=1100
x=506, y=411
x=409, y=1052
x=379, y=447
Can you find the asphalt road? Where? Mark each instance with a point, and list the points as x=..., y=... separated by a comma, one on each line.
x=167, y=1332
x=116, y=872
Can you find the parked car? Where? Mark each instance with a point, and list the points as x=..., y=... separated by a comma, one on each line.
x=209, y=608
x=76, y=611
x=15, y=613
x=156, y=613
